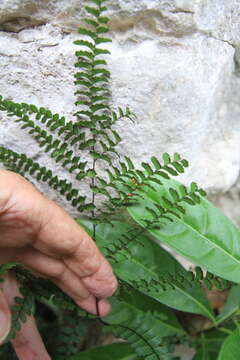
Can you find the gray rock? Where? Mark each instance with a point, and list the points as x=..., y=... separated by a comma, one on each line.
x=173, y=62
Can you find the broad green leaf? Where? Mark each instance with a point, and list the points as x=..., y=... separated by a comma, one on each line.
x=132, y=304
x=230, y=349
x=203, y=235
x=151, y=261
x=232, y=304
x=142, y=332
x=203, y=354
x=118, y=351
x=210, y=344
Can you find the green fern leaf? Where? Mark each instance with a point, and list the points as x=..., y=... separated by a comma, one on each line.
x=83, y=64
x=82, y=53
x=156, y=163
x=179, y=168
x=99, y=62
x=84, y=31
x=84, y=43
x=166, y=202
x=163, y=174
x=98, y=51
x=91, y=22
x=183, y=190
x=102, y=40
x=170, y=170
x=195, y=198
x=103, y=19
x=129, y=163
x=185, y=163
x=166, y=159
x=102, y=30
x=92, y=10
x=193, y=187
x=202, y=192
x=174, y=195
x=188, y=200
x=22, y=308
x=148, y=168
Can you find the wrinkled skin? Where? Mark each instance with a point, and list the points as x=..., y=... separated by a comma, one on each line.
x=39, y=234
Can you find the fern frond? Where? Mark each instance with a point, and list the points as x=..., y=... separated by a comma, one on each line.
x=71, y=333
x=22, y=308
x=178, y=280
x=59, y=150
x=23, y=112
x=4, y=268
x=21, y=164
x=123, y=114
x=130, y=183
x=144, y=338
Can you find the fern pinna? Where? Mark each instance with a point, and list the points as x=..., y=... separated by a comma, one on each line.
x=151, y=280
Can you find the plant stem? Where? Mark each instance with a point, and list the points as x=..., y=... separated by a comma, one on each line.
x=224, y=330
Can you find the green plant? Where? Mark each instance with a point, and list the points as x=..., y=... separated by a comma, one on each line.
x=155, y=290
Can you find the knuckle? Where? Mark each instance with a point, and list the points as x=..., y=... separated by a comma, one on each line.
x=114, y=286
x=91, y=268
x=111, y=288
x=56, y=271
x=91, y=265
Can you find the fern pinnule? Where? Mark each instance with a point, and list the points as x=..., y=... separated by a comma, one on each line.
x=22, y=164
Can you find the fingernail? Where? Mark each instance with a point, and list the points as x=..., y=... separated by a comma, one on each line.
x=5, y=325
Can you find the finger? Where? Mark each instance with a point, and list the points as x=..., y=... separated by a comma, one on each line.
x=104, y=307
x=5, y=318
x=90, y=306
x=95, y=272
x=62, y=276
x=78, y=250
x=101, y=283
x=54, y=270
x=17, y=202
x=53, y=232
x=28, y=344
x=7, y=255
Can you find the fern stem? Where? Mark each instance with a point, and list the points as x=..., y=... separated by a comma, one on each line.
x=225, y=331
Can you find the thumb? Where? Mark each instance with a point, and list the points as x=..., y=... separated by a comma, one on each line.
x=5, y=318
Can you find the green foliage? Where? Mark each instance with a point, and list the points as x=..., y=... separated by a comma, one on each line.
x=142, y=328
x=209, y=345
x=144, y=339
x=230, y=349
x=117, y=351
x=4, y=269
x=22, y=308
x=153, y=286
x=72, y=331
x=141, y=264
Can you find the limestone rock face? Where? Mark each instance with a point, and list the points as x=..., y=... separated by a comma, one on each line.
x=174, y=62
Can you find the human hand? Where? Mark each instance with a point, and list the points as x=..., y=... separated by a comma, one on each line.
x=44, y=238
x=27, y=344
